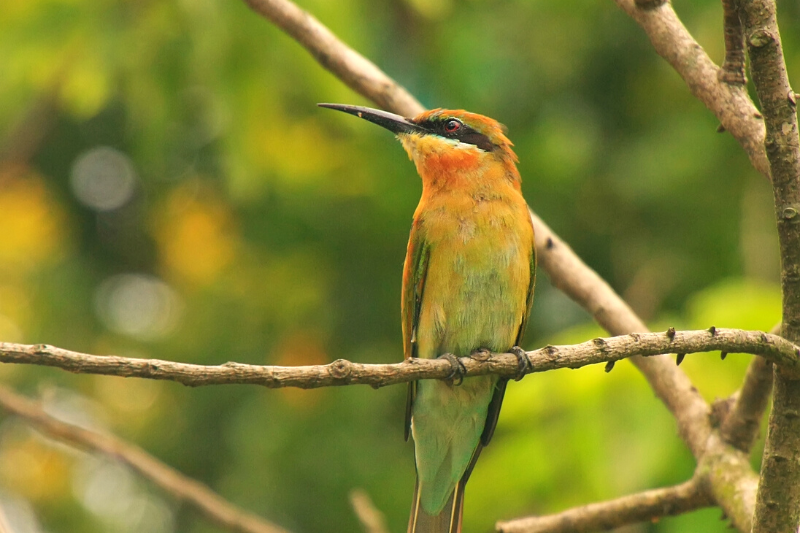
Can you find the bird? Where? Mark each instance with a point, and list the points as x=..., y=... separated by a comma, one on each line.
x=468, y=283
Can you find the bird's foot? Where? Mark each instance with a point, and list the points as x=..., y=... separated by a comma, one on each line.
x=523, y=363
x=459, y=370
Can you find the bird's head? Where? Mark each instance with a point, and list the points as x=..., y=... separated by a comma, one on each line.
x=442, y=141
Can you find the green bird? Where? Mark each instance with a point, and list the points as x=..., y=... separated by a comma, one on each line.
x=468, y=284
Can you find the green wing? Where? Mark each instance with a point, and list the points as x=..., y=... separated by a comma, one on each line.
x=414, y=273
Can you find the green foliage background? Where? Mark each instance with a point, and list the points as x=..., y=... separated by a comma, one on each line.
x=266, y=230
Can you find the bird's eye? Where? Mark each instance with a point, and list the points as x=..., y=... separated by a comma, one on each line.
x=451, y=125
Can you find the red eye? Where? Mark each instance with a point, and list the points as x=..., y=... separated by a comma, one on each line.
x=451, y=125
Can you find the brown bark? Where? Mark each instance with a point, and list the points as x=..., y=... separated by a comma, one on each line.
x=605, y=516
x=778, y=500
x=343, y=372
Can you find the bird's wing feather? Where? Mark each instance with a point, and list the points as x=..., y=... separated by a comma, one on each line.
x=414, y=274
x=529, y=304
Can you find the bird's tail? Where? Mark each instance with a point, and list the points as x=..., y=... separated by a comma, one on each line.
x=450, y=518
x=447, y=521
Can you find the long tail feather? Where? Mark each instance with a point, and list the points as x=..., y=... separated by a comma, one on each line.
x=451, y=517
x=448, y=521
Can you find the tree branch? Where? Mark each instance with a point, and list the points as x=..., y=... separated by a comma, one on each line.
x=741, y=423
x=740, y=427
x=729, y=103
x=643, y=507
x=202, y=498
x=342, y=372
x=778, y=500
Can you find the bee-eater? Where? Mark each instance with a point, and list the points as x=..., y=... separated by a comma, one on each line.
x=467, y=290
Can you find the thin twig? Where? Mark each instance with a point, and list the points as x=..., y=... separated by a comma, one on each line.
x=778, y=500
x=372, y=520
x=343, y=372
x=202, y=498
x=603, y=516
x=730, y=103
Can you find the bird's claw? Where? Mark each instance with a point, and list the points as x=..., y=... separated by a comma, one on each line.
x=523, y=363
x=459, y=370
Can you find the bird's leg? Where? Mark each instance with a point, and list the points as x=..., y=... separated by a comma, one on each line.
x=523, y=363
x=459, y=370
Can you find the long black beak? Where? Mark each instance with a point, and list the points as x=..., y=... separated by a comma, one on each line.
x=394, y=123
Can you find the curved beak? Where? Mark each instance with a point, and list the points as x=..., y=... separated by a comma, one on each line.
x=394, y=123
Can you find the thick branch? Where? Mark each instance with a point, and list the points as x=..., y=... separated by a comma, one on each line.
x=643, y=507
x=729, y=103
x=778, y=501
x=207, y=502
x=342, y=372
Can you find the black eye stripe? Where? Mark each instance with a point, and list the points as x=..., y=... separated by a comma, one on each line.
x=478, y=139
x=462, y=133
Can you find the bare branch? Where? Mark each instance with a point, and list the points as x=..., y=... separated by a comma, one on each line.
x=206, y=501
x=370, y=517
x=778, y=501
x=342, y=372
x=643, y=507
x=729, y=103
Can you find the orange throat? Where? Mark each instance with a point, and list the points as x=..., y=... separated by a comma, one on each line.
x=447, y=164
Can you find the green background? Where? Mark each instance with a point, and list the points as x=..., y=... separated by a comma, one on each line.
x=255, y=227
